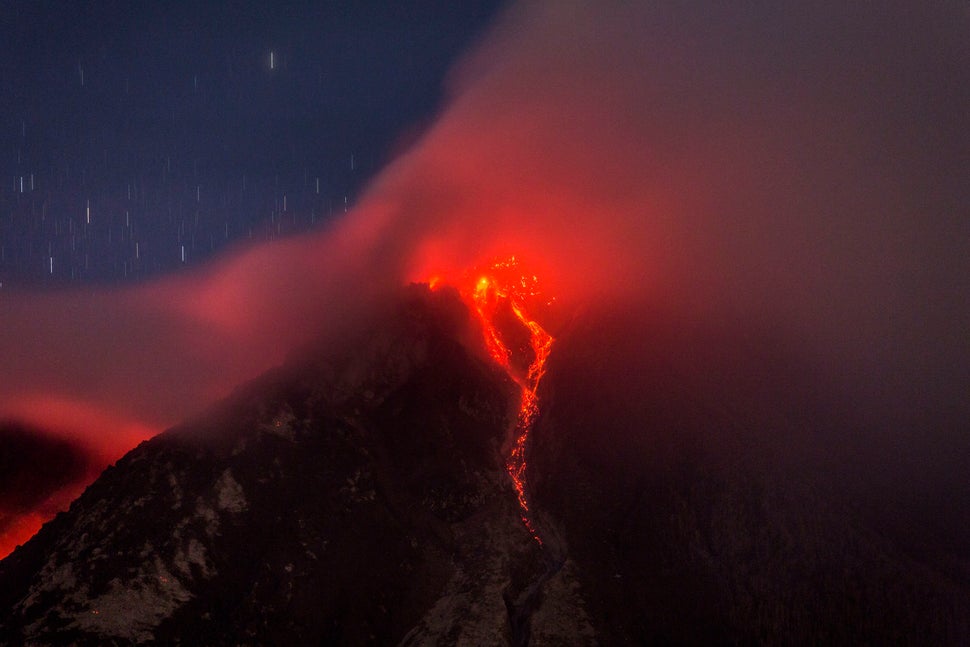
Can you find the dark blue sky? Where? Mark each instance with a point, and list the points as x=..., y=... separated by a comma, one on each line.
x=139, y=138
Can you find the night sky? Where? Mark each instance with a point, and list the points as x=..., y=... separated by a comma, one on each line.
x=139, y=138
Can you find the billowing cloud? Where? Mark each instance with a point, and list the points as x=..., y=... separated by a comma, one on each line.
x=797, y=169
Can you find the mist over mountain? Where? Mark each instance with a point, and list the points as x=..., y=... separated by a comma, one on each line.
x=358, y=494
x=791, y=180
x=751, y=229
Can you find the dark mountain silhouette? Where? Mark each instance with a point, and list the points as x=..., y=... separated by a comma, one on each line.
x=359, y=495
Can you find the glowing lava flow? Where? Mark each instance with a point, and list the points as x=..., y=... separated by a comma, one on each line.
x=498, y=292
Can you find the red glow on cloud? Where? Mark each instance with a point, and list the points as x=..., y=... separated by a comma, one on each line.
x=106, y=435
x=22, y=528
x=102, y=437
x=17, y=527
x=776, y=170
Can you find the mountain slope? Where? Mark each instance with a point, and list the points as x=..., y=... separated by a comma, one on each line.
x=358, y=495
x=716, y=504
x=353, y=497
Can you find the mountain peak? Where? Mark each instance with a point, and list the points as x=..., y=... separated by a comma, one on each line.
x=383, y=455
x=360, y=493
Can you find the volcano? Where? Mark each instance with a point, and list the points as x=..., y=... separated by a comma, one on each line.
x=363, y=493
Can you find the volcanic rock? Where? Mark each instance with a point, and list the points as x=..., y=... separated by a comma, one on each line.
x=358, y=495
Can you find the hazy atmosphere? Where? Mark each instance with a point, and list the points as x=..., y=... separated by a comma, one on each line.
x=778, y=194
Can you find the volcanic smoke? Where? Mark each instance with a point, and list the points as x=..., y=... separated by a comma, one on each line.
x=793, y=176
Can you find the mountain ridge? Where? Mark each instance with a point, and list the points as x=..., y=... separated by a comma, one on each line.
x=358, y=495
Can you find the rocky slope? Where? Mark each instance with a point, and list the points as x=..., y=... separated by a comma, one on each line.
x=359, y=496
x=703, y=508
x=348, y=498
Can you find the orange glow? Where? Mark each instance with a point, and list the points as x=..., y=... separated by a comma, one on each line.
x=22, y=528
x=81, y=421
x=104, y=435
x=501, y=290
x=18, y=527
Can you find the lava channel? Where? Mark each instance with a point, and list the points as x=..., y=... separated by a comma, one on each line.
x=500, y=296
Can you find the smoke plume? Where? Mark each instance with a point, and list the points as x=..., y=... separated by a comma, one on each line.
x=796, y=172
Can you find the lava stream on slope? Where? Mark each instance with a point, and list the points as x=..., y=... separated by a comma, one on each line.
x=500, y=297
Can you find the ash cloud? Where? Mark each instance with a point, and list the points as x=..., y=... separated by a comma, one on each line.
x=104, y=370
x=800, y=170
x=778, y=196
x=793, y=173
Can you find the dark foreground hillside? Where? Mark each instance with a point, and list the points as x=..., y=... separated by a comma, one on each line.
x=359, y=496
